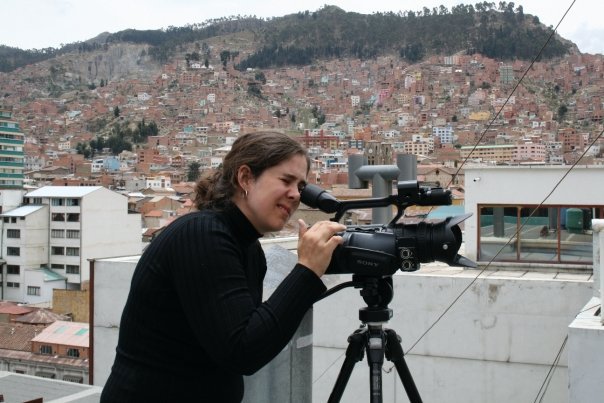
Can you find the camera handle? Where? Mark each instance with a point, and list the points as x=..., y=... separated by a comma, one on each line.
x=376, y=341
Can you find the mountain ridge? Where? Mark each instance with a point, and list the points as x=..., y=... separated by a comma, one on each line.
x=331, y=32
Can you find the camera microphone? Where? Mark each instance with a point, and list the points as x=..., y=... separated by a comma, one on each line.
x=316, y=197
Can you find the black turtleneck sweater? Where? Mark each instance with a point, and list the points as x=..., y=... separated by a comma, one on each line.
x=194, y=321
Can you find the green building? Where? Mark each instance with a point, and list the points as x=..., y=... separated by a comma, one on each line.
x=11, y=151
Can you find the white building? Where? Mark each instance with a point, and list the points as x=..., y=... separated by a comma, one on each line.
x=49, y=240
x=159, y=182
x=444, y=133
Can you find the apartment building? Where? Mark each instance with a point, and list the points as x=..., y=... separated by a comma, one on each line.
x=11, y=151
x=489, y=153
x=530, y=152
x=48, y=242
x=444, y=133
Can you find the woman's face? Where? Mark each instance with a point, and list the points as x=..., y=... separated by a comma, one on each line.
x=272, y=197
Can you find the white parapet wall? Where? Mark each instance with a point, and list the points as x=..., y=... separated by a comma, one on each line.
x=495, y=343
x=586, y=336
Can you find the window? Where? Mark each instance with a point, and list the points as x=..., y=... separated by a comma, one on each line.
x=73, y=378
x=73, y=217
x=13, y=233
x=6, y=219
x=57, y=202
x=13, y=251
x=73, y=352
x=540, y=234
x=31, y=290
x=57, y=217
x=56, y=266
x=44, y=374
x=73, y=202
x=72, y=251
x=73, y=234
x=57, y=250
x=72, y=269
x=13, y=269
x=12, y=284
x=46, y=349
x=57, y=233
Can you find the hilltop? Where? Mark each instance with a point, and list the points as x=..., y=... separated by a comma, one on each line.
x=330, y=32
x=352, y=76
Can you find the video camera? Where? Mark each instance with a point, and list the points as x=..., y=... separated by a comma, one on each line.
x=382, y=249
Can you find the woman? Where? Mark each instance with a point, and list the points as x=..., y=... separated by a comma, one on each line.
x=194, y=321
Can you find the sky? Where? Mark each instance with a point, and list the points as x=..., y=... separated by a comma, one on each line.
x=38, y=24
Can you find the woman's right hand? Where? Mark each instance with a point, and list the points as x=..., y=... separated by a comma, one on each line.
x=317, y=243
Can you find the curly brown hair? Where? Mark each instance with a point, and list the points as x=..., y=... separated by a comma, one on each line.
x=259, y=151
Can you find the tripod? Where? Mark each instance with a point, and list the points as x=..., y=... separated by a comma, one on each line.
x=377, y=341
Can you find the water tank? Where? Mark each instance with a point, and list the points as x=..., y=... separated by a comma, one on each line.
x=574, y=220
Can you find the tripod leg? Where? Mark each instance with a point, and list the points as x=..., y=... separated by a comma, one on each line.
x=394, y=353
x=375, y=358
x=354, y=354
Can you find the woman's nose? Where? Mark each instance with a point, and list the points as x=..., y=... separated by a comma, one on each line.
x=293, y=192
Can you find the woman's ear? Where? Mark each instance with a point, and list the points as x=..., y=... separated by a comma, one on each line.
x=244, y=176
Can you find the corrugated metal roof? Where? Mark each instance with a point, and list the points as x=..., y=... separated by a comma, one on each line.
x=446, y=211
x=50, y=275
x=63, y=191
x=21, y=211
x=65, y=333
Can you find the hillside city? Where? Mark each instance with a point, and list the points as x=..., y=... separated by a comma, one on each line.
x=447, y=111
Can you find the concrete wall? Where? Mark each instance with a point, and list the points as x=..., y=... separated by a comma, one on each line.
x=586, y=336
x=287, y=378
x=107, y=228
x=495, y=344
x=74, y=302
x=110, y=287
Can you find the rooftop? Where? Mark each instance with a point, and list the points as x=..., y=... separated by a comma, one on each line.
x=66, y=333
x=63, y=191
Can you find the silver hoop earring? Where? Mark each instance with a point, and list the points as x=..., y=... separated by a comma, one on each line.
x=245, y=193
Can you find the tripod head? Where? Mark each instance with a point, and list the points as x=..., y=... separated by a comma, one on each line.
x=377, y=293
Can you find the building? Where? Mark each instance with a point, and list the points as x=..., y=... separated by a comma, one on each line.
x=506, y=74
x=520, y=222
x=47, y=243
x=57, y=351
x=11, y=152
x=444, y=133
x=489, y=153
x=12, y=161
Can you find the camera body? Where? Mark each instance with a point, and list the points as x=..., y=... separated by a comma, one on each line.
x=381, y=250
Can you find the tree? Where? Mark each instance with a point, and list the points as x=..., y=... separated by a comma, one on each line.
x=562, y=112
x=116, y=111
x=193, y=171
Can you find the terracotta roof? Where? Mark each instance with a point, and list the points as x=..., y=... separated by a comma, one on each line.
x=41, y=317
x=16, y=336
x=13, y=309
x=154, y=213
